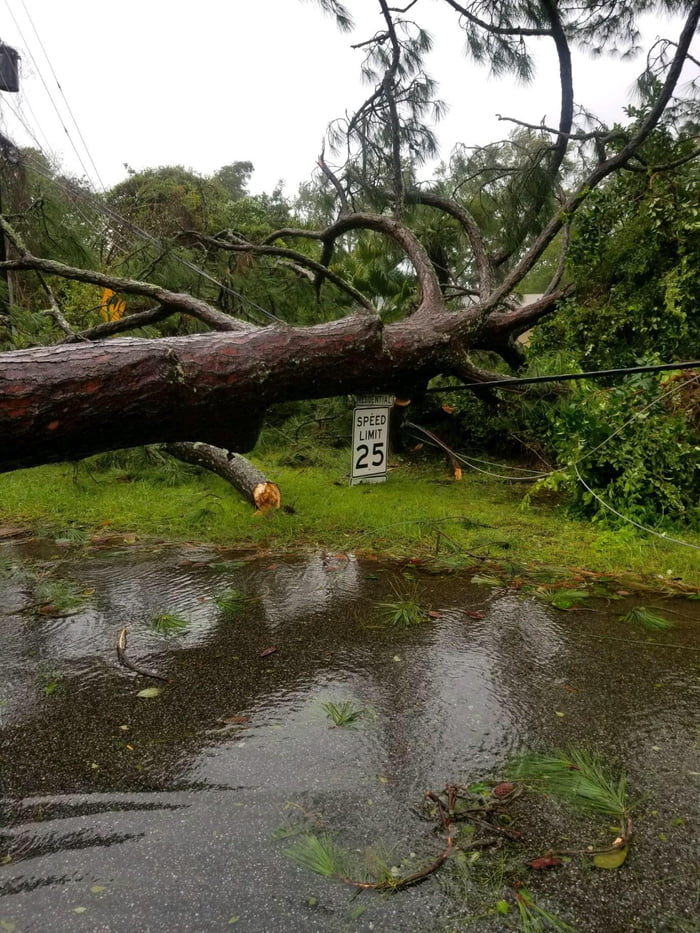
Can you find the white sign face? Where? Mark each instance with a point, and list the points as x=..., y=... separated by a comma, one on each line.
x=370, y=444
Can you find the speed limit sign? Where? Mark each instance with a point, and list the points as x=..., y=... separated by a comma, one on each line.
x=370, y=439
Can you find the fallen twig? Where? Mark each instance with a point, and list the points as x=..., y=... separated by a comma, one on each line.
x=127, y=662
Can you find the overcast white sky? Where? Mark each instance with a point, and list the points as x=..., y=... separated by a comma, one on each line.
x=206, y=83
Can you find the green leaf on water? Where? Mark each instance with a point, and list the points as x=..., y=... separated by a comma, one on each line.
x=612, y=859
x=149, y=692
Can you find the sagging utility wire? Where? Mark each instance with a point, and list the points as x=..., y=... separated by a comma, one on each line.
x=566, y=377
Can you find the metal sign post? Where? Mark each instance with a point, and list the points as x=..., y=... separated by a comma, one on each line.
x=370, y=439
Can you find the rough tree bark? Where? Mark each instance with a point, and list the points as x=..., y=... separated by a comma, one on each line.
x=251, y=482
x=67, y=402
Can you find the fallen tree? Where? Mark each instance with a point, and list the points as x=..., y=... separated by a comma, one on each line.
x=90, y=394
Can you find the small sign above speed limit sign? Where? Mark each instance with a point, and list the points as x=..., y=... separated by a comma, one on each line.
x=370, y=439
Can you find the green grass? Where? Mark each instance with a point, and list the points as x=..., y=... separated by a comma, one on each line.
x=343, y=714
x=400, y=518
x=168, y=624
x=405, y=610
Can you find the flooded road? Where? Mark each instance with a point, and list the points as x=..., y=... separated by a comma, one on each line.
x=172, y=812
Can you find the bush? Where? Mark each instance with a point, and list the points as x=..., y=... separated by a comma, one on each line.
x=636, y=446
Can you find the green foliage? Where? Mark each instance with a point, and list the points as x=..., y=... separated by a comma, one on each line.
x=319, y=854
x=646, y=618
x=164, y=201
x=343, y=714
x=71, y=535
x=405, y=610
x=59, y=595
x=234, y=178
x=635, y=446
x=230, y=600
x=535, y=919
x=577, y=777
x=167, y=623
x=635, y=261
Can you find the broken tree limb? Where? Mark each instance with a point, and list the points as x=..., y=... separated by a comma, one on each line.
x=246, y=478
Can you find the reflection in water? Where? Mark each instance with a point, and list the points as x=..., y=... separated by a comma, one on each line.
x=159, y=813
x=319, y=586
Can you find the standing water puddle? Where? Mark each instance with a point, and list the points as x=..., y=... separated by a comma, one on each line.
x=166, y=813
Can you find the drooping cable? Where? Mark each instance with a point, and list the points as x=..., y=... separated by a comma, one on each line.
x=60, y=88
x=192, y=267
x=631, y=521
x=48, y=92
x=144, y=235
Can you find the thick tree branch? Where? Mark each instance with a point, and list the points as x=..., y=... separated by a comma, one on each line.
x=496, y=30
x=556, y=157
x=470, y=227
x=178, y=301
x=566, y=81
x=427, y=277
x=292, y=254
x=513, y=323
x=247, y=479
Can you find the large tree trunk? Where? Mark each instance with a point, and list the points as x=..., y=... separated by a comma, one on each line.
x=67, y=402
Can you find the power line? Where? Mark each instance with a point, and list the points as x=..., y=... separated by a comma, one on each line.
x=16, y=108
x=114, y=215
x=48, y=92
x=60, y=88
x=631, y=521
x=566, y=377
x=103, y=207
x=139, y=231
